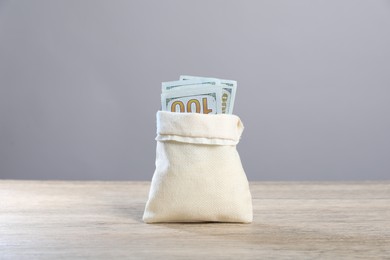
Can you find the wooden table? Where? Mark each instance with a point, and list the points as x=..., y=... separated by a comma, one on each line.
x=298, y=220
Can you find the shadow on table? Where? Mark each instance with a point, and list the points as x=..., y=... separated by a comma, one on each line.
x=129, y=211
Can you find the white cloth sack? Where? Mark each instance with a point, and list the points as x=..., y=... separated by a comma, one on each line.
x=198, y=176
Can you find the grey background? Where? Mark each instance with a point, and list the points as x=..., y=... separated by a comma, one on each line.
x=80, y=84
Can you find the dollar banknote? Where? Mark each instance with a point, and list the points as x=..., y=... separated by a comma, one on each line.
x=229, y=88
x=204, y=99
x=187, y=84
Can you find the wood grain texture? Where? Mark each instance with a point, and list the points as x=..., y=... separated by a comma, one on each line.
x=52, y=219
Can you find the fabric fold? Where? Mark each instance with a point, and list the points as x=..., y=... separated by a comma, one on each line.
x=218, y=129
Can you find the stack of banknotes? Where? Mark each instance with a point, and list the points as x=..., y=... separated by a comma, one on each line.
x=193, y=94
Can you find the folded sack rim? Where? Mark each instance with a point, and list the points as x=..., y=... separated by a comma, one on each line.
x=181, y=127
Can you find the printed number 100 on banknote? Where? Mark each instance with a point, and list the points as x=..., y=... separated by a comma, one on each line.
x=194, y=101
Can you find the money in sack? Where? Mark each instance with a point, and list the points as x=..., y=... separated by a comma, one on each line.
x=198, y=175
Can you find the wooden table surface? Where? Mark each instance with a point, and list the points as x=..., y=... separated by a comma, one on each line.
x=297, y=220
